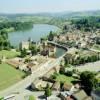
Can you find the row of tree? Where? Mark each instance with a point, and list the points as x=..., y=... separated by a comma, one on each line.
x=4, y=42
x=82, y=60
x=16, y=25
x=89, y=81
x=87, y=24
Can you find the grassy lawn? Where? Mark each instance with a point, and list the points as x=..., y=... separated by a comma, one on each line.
x=64, y=79
x=9, y=54
x=9, y=76
x=98, y=79
x=31, y=97
x=97, y=47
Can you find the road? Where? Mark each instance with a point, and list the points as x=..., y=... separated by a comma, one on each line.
x=37, y=94
x=22, y=85
x=98, y=51
x=93, y=66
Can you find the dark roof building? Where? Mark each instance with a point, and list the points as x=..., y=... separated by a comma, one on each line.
x=81, y=95
x=66, y=87
x=96, y=94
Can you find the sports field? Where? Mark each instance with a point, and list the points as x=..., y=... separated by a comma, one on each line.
x=9, y=76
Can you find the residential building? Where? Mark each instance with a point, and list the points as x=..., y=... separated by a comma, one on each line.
x=81, y=95
x=96, y=94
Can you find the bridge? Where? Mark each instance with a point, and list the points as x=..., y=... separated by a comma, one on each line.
x=58, y=45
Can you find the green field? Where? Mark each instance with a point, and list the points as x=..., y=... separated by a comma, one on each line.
x=9, y=54
x=9, y=76
x=96, y=47
x=31, y=97
x=64, y=79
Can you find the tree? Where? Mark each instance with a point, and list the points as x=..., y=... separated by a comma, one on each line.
x=51, y=36
x=48, y=91
x=0, y=61
x=27, y=60
x=1, y=98
x=33, y=50
x=66, y=61
x=23, y=53
x=87, y=24
x=31, y=97
x=62, y=70
x=65, y=27
x=69, y=73
x=54, y=76
x=4, y=42
x=88, y=80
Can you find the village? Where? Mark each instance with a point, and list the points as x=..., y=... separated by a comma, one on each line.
x=49, y=49
x=63, y=78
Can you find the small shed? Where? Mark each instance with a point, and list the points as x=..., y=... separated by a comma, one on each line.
x=67, y=87
x=81, y=95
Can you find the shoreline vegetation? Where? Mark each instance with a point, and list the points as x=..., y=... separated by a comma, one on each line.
x=15, y=26
x=8, y=26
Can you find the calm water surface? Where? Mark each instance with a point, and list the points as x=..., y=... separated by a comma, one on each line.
x=38, y=31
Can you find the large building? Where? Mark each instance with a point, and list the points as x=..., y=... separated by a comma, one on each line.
x=96, y=94
x=47, y=49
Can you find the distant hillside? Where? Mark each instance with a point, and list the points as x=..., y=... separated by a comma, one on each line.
x=60, y=14
x=46, y=17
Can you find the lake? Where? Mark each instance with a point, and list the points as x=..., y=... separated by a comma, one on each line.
x=38, y=31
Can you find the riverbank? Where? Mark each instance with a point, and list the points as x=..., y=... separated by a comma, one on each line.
x=15, y=26
x=11, y=29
